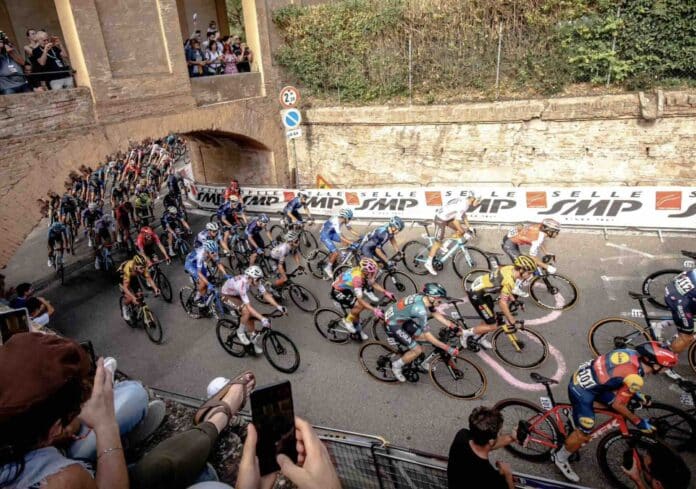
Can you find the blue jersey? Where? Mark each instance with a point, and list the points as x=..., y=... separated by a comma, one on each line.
x=683, y=286
x=202, y=237
x=91, y=216
x=410, y=308
x=171, y=219
x=173, y=183
x=56, y=229
x=378, y=237
x=228, y=210
x=294, y=205
x=195, y=262
x=331, y=229
x=254, y=227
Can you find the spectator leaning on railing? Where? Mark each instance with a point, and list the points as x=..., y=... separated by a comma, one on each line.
x=50, y=59
x=195, y=59
x=12, y=79
x=33, y=43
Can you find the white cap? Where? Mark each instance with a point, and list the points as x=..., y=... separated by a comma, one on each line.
x=215, y=385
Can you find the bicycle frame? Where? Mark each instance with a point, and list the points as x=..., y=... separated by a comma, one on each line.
x=500, y=320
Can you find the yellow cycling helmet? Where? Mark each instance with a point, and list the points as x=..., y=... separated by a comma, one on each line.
x=138, y=261
x=525, y=263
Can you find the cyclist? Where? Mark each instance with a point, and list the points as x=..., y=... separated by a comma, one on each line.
x=453, y=215
x=348, y=291
x=407, y=323
x=104, y=231
x=254, y=238
x=680, y=297
x=147, y=242
x=373, y=246
x=505, y=279
x=235, y=289
x=196, y=265
x=232, y=189
x=170, y=200
x=68, y=208
x=143, y=204
x=290, y=246
x=57, y=233
x=174, y=183
x=119, y=192
x=292, y=208
x=123, y=214
x=130, y=285
x=612, y=379
x=331, y=234
x=211, y=232
x=172, y=221
x=231, y=212
x=532, y=235
x=88, y=218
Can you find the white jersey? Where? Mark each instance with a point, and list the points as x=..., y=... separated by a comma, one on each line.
x=239, y=287
x=452, y=210
x=281, y=251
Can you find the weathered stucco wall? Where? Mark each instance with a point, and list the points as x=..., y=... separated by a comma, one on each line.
x=604, y=140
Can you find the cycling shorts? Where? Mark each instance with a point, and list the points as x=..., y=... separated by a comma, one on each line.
x=345, y=298
x=258, y=240
x=511, y=248
x=54, y=238
x=582, y=401
x=329, y=240
x=682, y=313
x=192, y=270
x=368, y=250
x=150, y=249
x=441, y=227
x=295, y=214
x=483, y=303
x=405, y=333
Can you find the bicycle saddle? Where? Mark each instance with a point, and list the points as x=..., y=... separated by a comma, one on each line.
x=689, y=254
x=540, y=379
x=638, y=295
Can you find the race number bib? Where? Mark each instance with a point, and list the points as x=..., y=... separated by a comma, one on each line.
x=683, y=284
x=584, y=377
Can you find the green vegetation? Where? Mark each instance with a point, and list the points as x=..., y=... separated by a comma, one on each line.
x=358, y=50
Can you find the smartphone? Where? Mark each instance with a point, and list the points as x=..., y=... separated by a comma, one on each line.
x=274, y=419
x=12, y=322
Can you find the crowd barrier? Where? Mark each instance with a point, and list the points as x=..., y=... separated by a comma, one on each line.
x=666, y=208
x=370, y=462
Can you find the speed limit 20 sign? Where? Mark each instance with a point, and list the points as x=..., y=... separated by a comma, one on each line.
x=289, y=97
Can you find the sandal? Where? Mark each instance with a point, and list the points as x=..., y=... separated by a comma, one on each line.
x=215, y=405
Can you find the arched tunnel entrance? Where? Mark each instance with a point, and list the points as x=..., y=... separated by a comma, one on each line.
x=218, y=156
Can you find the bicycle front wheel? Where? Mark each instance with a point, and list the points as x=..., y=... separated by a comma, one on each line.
x=415, y=255
x=379, y=330
x=543, y=435
x=468, y=258
x=281, y=352
x=153, y=328
x=307, y=243
x=523, y=348
x=612, y=333
x=328, y=323
x=375, y=359
x=554, y=292
x=610, y=453
x=458, y=377
x=655, y=283
x=226, y=331
x=675, y=427
x=472, y=276
x=692, y=356
x=303, y=298
x=317, y=263
x=164, y=286
x=398, y=283
x=277, y=232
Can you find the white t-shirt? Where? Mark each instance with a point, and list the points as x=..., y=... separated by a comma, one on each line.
x=454, y=209
x=280, y=252
x=239, y=287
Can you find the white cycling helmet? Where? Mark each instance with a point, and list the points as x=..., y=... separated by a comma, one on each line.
x=172, y=210
x=253, y=272
x=92, y=206
x=212, y=227
x=291, y=236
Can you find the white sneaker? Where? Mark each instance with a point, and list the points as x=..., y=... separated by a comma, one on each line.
x=328, y=271
x=49, y=263
x=125, y=311
x=519, y=292
x=242, y=336
x=371, y=295
x=463, y=337
x=171, y=252
x=97, y=265
x=364, y=336
x=89, y=242
x=256, y=341
x=398, y=374
x=429, y=267
x=350, y=327
x=672, y=374
x=658, y=330
x=484, y=342
x=566, y=470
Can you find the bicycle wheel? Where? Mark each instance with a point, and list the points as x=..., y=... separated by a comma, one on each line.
x=398, y=283
x=610, y=452
x=523, y=348
x=153, y=328
x=281, y=352
x=131, y=322
x=611, y=333
x=307, y=243
x=458, y=377
x=543, y=437
x=472, y=276
x=328, y=323
x=692, y=356
x=375, y=359
x=186, y=295
x=164, y=286
x=655, y=283
x=675, y=427
x=379, y=330
x=467, y=259
x=238, y=262
x=303, y=298
x=226, y=331
x=317, y=262
x=415, y=255
x=554, y=292
x=277, y=231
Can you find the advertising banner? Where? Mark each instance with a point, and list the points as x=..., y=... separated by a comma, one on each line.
x=637, y=207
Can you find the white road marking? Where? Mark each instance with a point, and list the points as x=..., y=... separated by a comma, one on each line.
x=631, y=250
x=606, y=281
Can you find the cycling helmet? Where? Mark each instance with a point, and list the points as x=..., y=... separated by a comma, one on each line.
x=551, y=227
x=291, y=236
x=212, y=227
x=211, y=246
x=302, y=195
x=147, y=232
x=656, y=353
x=433, y=289
x=92, y=206
x=233, y=198
x=138, y=261
x=368, y=265
x=526, y=263
x=346, y=214
x=172, y=210
x=397, y=222
x=264, y=219
x=253, y=272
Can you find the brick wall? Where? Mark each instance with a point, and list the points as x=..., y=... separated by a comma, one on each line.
x=213, y=89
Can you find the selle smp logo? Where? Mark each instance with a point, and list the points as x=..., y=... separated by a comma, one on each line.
x=689, y=211
x=384, y=204
x=601, y=207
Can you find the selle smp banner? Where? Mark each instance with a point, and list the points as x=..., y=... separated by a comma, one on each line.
x=640, y=207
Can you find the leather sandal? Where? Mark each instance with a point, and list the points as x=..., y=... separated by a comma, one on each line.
x=215, y=404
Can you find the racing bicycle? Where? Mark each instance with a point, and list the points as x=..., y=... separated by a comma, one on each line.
x=396, y=282
x=299, y=294
x=142, y=315
x=307, y=240
x=655, y=283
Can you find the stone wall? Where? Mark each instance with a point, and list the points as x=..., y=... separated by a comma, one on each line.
x=213, y=89
x=631, y=138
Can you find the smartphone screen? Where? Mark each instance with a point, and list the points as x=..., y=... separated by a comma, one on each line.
x=274, y=419
x=13, y=322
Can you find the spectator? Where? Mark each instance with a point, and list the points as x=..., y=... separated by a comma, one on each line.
x=4, y=294
x=662, y=468
x=212, y=27
x=24, y=291
x=12, y=79
x=213, y=58
x=33, y=43
x=40, y=312
x=50, y=58
x=187, y=44
x=245, y=59
x=196, y=60
x=212, y=38
x=469, y=452
x=230, y=59
x=34, y=82
x=236, y=43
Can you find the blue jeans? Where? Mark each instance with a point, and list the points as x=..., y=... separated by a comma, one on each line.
x=130, y=404
x=20, y=89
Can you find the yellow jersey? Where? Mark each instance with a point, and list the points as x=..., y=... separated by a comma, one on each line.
x=503, y=278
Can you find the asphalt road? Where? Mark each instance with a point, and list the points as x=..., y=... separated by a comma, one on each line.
x=330, y=388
